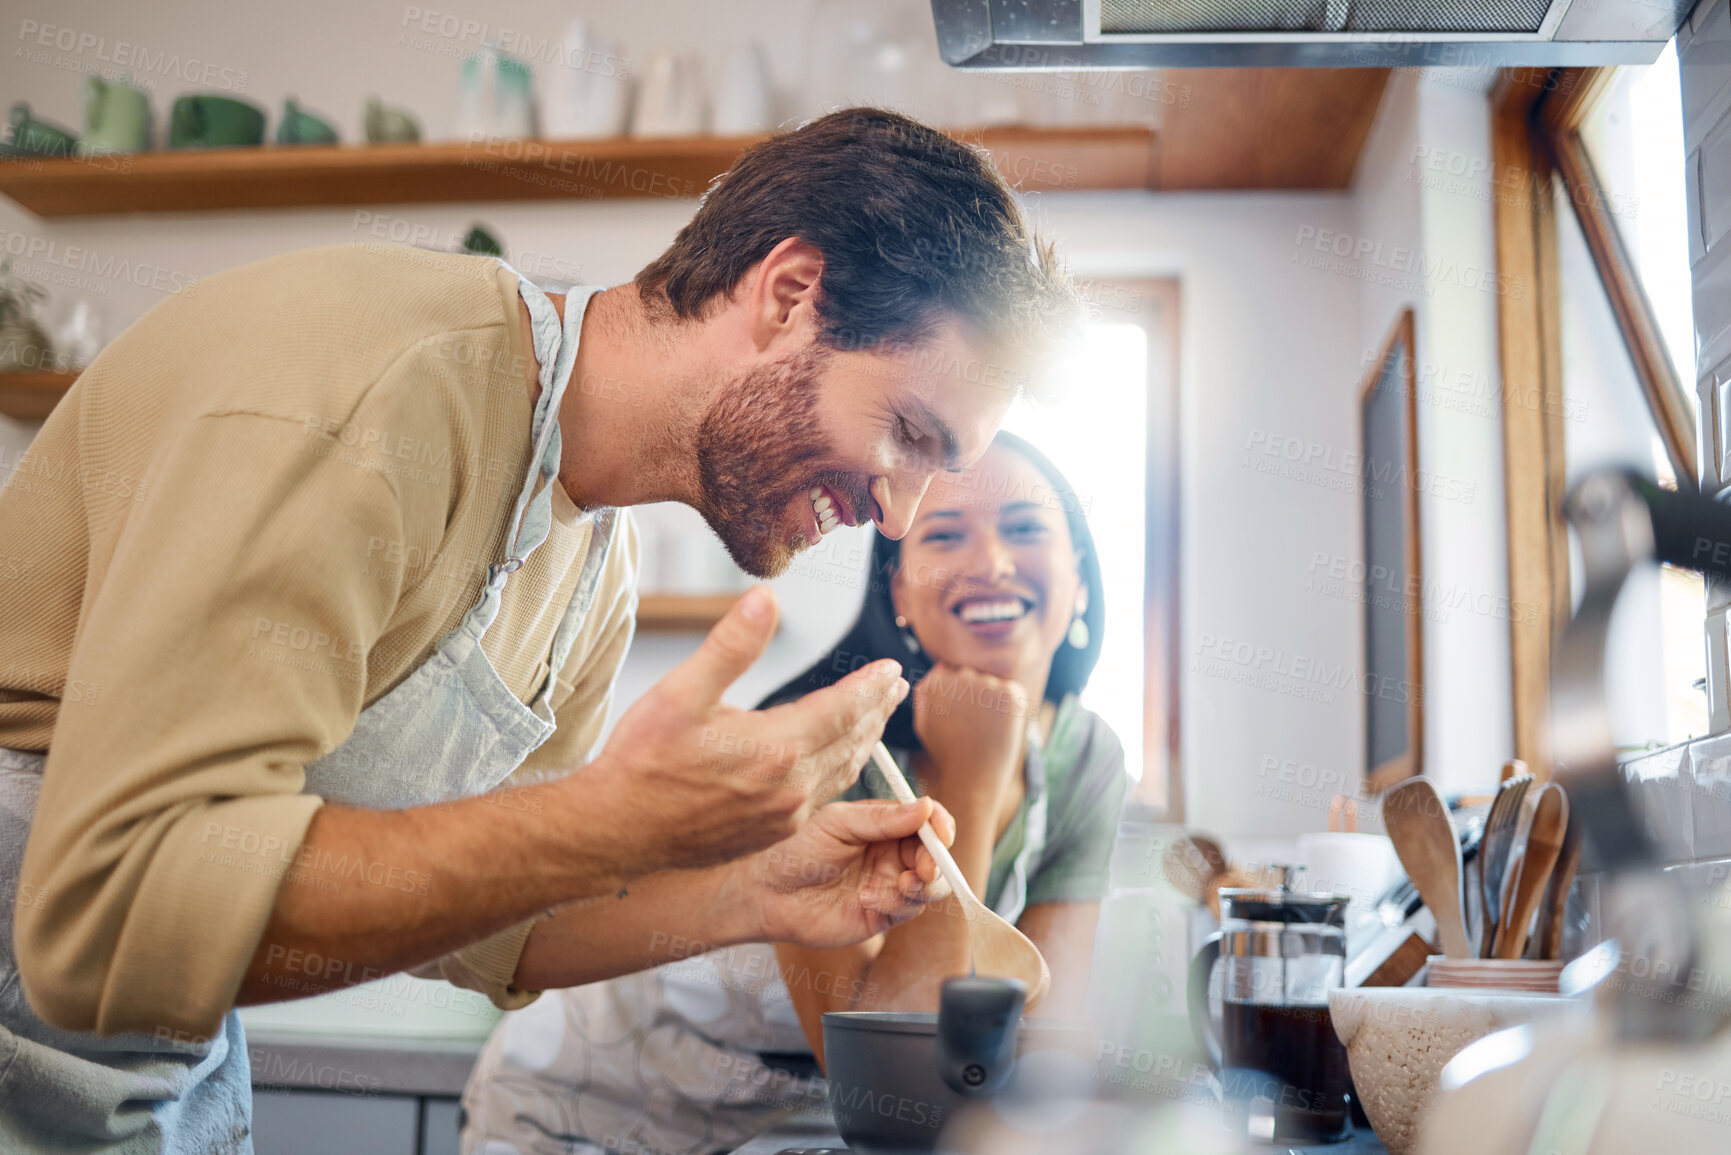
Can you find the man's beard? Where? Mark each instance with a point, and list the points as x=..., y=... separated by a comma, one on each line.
x=758, y=447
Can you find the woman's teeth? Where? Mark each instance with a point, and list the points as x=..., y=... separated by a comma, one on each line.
x=992, y=611
x=824, y=508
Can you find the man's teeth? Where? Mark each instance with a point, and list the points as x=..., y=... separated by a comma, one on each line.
x=992, y=611
x=827, y=516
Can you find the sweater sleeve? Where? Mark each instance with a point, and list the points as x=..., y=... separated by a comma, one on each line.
x=581, y=703
x=228, y=643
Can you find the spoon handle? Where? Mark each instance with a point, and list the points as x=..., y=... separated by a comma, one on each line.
x=904, y=794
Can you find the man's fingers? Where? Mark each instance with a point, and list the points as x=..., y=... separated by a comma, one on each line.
x=737, y=641
x=865, y=822
x=824, y=717
x=943, y=823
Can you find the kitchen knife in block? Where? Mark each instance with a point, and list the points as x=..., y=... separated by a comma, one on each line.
x=1417, y=820
x=1544, y=844
x=997, y=947
x=1396, y=955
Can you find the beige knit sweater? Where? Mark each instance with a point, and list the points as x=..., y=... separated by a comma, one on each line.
x=257, y=512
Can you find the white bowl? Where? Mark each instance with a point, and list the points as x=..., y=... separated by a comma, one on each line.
x=1398, y=1039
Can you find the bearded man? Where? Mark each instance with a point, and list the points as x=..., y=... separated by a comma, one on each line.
x=328, y=572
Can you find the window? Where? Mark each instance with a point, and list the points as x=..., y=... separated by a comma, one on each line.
x=1633, y=134
x=1114, y=434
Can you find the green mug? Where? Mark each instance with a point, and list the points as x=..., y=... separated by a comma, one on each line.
x=116, y=116
x=298, y=126
x=199, y=121
x=389, y=125
x=27, y=136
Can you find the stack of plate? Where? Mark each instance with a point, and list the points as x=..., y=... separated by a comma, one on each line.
x=1538, y=976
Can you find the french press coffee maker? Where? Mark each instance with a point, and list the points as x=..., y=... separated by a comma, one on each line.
x=1282, y=1070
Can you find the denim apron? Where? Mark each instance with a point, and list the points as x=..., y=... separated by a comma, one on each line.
x=452, y=728
x=690, y=1058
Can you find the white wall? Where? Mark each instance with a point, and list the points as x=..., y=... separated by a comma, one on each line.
x=1425, y=187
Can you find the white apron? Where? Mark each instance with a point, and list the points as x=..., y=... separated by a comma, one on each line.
x=452, y=728
x=690, y=1058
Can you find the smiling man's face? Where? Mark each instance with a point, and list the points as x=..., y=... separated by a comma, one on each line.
x=792, y=449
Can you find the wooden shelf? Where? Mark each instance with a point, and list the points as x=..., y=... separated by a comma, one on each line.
x=1033, y=159
x=32, y=396
x=681, y=613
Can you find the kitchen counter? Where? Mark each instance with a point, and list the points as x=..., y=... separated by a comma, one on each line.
x=371, y=1070
x=817, y=1132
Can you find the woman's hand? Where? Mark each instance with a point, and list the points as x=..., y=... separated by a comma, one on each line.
x=853, y=871
x=973, y=726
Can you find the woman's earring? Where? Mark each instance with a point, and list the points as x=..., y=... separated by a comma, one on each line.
x=1079, y=633
x=908, y=639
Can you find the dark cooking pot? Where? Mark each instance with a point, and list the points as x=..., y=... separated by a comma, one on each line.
x=896, y=1078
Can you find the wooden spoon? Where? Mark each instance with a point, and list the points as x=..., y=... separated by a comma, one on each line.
x=1557, y=894
x=997, y=947
x=1544, y=844
x=1191, y=863
x=1417, y=820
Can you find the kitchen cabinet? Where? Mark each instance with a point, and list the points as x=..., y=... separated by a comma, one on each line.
x=287, y=1122
x=294, y=1122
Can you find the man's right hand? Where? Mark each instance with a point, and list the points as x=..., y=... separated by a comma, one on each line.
x=701, y=782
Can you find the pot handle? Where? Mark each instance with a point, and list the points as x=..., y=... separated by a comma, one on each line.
x=977, y=1019
x=1201, y=1017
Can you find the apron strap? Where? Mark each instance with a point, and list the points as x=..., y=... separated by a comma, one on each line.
x=600, y=545
x=555, y=345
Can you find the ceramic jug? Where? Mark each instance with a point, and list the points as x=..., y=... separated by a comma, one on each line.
x=670, y=101
x=587, y=90
x=495, y=97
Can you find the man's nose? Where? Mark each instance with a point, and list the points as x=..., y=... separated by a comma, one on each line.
x=898, y=500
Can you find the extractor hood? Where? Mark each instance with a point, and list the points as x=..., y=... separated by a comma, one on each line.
x=1011, y=35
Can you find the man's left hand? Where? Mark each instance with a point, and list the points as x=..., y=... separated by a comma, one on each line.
x=853, y=871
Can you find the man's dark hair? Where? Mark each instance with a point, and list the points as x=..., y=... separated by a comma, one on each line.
x=913, y=227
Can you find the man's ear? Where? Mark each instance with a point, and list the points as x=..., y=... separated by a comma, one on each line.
x=782, y=295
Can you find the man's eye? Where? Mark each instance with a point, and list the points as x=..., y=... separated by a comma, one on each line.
x=907, y=431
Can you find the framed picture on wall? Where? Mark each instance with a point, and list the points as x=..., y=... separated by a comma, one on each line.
x=1393, y=593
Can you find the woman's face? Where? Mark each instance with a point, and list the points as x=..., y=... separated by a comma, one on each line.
x=989, y=577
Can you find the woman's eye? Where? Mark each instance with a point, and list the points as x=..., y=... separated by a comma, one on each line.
x=1025, y=529
x=940, y=537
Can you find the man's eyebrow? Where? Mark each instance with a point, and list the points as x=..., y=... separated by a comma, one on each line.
x=945, y=435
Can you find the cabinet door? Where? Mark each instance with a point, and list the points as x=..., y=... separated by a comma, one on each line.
x=297, y=1122
x=439, y=1126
